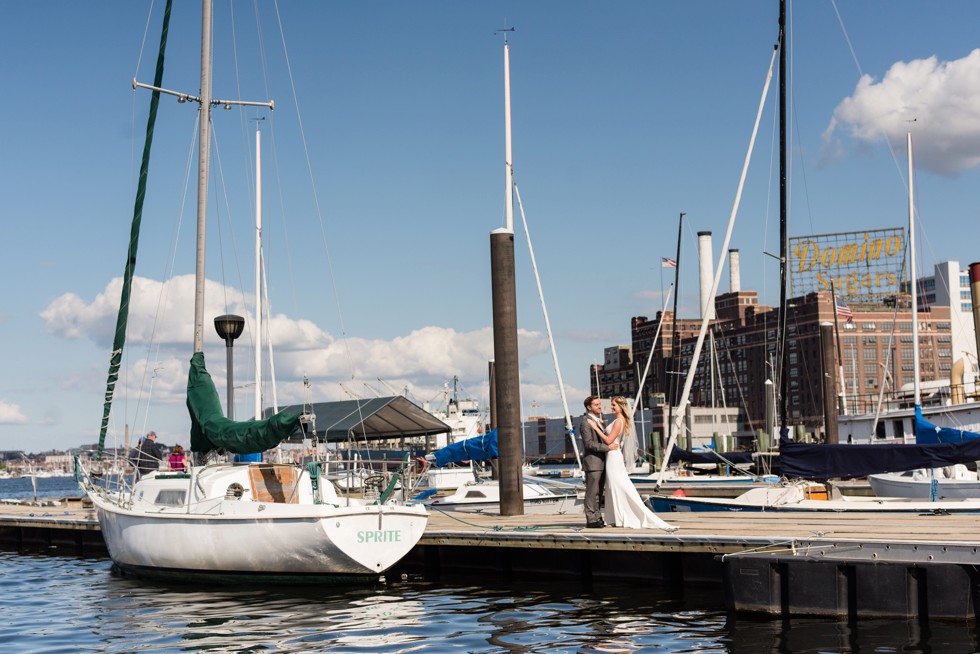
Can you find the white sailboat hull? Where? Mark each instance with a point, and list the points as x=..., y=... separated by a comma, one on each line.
x=918, y=484
x=245, y=535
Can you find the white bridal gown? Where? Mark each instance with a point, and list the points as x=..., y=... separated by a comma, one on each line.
x=624, y=506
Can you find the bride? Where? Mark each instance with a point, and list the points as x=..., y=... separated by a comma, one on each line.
x=624, y=507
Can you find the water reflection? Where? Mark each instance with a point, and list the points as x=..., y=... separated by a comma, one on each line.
x=60, y=604
x=809, y=636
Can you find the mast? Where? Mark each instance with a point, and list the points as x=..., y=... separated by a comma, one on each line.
x=203, y=162
x=258, y=273
x=671, y=381
x=915, y=283
x=783, y=249
x=508, y=144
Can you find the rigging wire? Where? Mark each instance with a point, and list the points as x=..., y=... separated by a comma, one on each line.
x=679, y=417
x=551, y=339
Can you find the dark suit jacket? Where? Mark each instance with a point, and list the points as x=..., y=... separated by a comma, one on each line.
x=595, y=448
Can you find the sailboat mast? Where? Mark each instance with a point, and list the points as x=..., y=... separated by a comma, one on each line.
x=508, y=144
x=258, y=273
x=203, y=162
x=675, y=340
x=783, y=249
x=912, y=271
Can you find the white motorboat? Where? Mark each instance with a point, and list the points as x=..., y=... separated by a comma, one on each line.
x=539, y=498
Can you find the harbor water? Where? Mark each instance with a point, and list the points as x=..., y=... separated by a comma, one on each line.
x=57, y=603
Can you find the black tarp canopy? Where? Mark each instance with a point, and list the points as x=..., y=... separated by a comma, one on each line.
x=378, y=418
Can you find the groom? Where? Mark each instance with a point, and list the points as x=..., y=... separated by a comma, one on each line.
x=594, y=461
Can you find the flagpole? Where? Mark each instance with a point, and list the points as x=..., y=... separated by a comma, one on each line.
x=842, y=405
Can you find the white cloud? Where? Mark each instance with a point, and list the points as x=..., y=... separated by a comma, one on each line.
x=423, y=362
x=941, y=97
x=10, y=414
x=158, y=311
x=424, y=354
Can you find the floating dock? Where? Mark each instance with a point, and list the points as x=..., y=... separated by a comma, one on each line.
x=855, y=565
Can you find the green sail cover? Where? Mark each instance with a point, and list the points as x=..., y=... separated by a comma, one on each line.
x=122, y=318
x=211, y=430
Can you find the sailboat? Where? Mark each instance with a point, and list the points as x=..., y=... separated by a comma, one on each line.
x=232, y=522
x=810, y=463
x=934, y=477
x=955, y=481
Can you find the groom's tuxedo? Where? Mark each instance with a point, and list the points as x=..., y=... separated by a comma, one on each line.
x=594, y=465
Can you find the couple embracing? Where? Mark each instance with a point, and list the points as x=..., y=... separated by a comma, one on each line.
x=606, y=450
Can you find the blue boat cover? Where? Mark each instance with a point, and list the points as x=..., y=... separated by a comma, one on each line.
x=709, y=456
x=926, y=432
x=478, y=448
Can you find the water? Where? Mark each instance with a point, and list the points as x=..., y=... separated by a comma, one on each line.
x=53, y=603
x=22, y=488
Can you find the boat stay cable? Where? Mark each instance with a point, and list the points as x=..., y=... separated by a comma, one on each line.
x=569, y=430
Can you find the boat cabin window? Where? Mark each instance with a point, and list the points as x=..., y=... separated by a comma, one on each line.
x=234, y=492
x=173, y=497
x=899, y=428
x=475, y=493
x=880, y=429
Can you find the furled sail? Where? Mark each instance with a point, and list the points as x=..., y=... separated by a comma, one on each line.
x=827, y=461
x=122, y=318
x=478, y=448
x=211, y=430
x=709, y=456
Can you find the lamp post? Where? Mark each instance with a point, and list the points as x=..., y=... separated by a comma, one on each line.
x=230, y=327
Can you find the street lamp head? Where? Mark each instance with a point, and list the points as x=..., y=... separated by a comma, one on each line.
x=229, y=327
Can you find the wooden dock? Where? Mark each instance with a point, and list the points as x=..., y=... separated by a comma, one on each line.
x=783, y=564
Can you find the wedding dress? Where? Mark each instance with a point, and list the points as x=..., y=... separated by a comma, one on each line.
x=624, y=506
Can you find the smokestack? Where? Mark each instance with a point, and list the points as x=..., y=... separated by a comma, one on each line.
x=734, y=274
x=707, y=274
x=975, y=293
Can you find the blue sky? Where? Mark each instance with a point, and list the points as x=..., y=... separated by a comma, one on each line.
x=625, y=114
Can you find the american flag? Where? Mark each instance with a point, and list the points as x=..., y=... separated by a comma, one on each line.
x=844, y=311
x=667, y=263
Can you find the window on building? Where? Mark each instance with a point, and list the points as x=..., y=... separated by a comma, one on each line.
x=868, y=326
x=870, y=354
x=907, y=354
x=905, y=326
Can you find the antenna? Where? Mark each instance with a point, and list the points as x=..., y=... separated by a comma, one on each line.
x=504, y=31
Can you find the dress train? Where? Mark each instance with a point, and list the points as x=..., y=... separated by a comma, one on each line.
x=624, y=506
